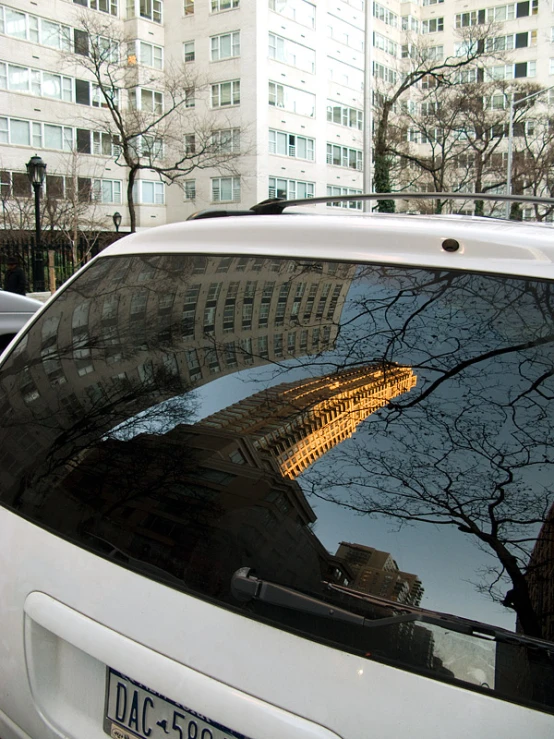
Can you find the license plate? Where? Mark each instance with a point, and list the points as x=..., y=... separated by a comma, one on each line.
x=133, y=710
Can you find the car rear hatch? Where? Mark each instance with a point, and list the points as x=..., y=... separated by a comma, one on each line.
x=209, y=459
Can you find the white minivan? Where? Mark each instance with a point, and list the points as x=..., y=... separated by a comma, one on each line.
x=284, y=476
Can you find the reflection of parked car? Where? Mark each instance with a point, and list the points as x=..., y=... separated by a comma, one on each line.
x=15, y=311
x=208, y=440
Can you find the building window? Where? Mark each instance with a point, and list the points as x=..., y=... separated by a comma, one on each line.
x=291, y=99
x=344, y=116
x=385, y=15
x=149, y=192
x=150, y=55
x=226, y=141
x=291, y=145
x=32, y=28
x=152, y=10
x=525, y=69
x=382, y=72
x=509, y=71
x=346, y=34
x=101, y=97
x=225, y=189
x=299, y=11
x=189, y=7
x=472, y=18
x=104, y=6
x=225, y=46
x=104, y=144
x=150, y=101
x=343, y=156
x=385, y=44
x=190, y=144
x=289, y=52
x=345, y=74
x=219, y=5
x=433, y=25
x=339, y=191
x=38, y=135
x=226, y=93
x=36, y=82
x=189, y=189
x=55, y=187
x=409, y=23
x=188, y=51
x=106, y=191
x=290, y=189
x=13, y=184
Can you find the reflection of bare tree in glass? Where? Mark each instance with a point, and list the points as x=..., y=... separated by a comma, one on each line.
x=472, y=447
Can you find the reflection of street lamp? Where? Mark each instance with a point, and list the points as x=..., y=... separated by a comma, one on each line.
x=513, y=103
x=36, y=171
x=116, y=221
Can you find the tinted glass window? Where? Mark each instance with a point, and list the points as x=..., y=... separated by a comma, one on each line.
x=377, y=438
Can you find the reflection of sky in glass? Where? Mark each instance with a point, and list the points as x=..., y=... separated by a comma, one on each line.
x=447, y=560
x=405, y=318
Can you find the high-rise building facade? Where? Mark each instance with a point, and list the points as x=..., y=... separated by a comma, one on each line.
x=377, y=573
x=298, y=422
x=279, y=81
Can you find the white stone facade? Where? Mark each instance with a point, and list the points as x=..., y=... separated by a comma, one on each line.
x=298, y=63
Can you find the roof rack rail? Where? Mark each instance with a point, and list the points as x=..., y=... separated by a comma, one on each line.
x=275, y=206
x=218, y=213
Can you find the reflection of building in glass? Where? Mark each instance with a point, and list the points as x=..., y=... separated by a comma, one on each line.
x=540, y=577
x=141, y=329
x=300, y=421
x=197, y=504
x=377, y=573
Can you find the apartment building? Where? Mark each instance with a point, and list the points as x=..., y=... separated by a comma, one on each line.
x=280, y=81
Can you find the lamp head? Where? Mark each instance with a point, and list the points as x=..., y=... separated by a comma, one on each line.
x=36, y=170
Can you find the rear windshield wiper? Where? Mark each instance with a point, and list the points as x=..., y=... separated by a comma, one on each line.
x=246, y=587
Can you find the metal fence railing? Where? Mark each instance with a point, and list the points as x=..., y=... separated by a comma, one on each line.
x=59, y=259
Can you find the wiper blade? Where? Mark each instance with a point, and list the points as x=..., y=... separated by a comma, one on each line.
x=246, y=587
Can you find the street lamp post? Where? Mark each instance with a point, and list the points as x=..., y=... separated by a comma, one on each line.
x=36, y=171
x=117, y=221
x=513, y=103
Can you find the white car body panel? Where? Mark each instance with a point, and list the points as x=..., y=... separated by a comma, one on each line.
x=258, y=680
x=269, y=684
x=485, y=245
x=15, y=311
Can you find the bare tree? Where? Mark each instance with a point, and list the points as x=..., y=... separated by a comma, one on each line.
x=159, y=132
x=461, y=129
x=424, y=66
x=430, y=147
x=533, y=161
x=71, y=208
x=471, y=446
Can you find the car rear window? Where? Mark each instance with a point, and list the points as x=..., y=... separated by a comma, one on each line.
x=283, y=435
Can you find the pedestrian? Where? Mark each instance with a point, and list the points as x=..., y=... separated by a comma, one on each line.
x=14, y=279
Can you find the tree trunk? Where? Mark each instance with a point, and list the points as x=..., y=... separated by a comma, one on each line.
x=518, y=597
x=382, y=162
x=479, y=204
x=131, y=200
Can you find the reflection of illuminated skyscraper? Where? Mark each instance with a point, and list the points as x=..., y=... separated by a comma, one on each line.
x=298, y=422
x=377, y=573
